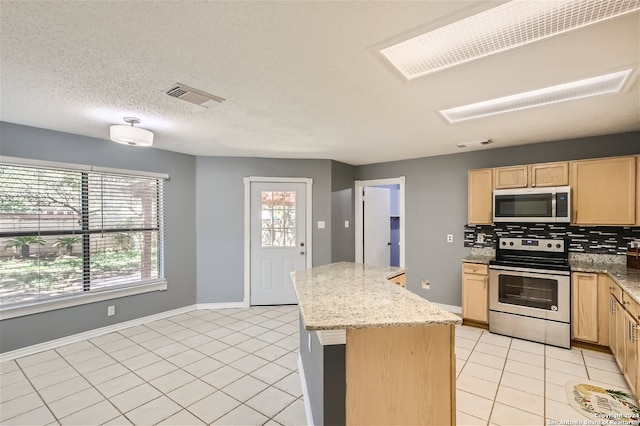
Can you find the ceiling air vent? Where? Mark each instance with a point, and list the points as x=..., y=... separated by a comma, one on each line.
x=193, y=96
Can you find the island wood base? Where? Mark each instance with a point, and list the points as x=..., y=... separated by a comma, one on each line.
x=401, y=376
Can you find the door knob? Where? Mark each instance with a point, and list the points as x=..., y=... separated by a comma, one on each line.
x=388, y=244
x=302, y=244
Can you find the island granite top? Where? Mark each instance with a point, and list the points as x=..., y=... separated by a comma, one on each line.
x=353, y=295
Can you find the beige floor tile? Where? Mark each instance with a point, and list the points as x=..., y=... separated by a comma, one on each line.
x=171, y=349
x=248, y=363
x=487, y=360
x=38, y=358
x=526, y=346
x=558, y=411
x=12, y=377
x=46, y=367
x=558, y=377
x=465, y=343
x=473, y=405
x=573, y=355
x=229, y=355
x=607, y=377
x=234, y=338
x=16, y=390
x=118, y=421
x=74, y=347
x=556, y=392
x=467, y=332
x=117, y=345
x=185, y=358
x=99, y=413
x=84, y=355
x=482, y=372
x=526, y=357
x=289, y=361
x=523, y=383
x=106, y=373
x=135, y=397
x=53, y=378
x=289, y=343
x=202, y=367
x=197, y=340
x=244, y=388
x=222, y=376
x=140, y=361
x=601, y=364
x=218, y=332
x=94, y=364
x=173, y=380
x=20, y=405
x=462, y=353
x=213, y=407
x=38, y=416
x=521, y=400
x=191, y=392
x=119, y=384
x=464, y=419
x=270, y=352
x=270, y=373
x=76, y=402
x=182, y=418
x=128, y=352
x=476, y=386
x=510, y=416
x=106, y=338
x=64, y=389
x=156, y=370
x=144, y=337
x=160, y=342
x=251, y=345
x=242, y=415
x=290, y=384
x=487, y=348
x=183, y=335
x=271, y=336
x=495, y=339
x=578, y=370
x=523, y=369
x=270, y=401
x=153, y=411
x=294, y=414
x=597, y=354
x=212, y=347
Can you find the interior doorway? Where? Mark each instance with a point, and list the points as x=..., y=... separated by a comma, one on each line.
x=379, y=227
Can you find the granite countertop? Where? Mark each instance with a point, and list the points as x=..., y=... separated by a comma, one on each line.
x=353, y=295
x=478, y=258
x=627, y=278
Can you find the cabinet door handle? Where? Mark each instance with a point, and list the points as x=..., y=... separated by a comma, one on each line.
x=610, y=306
x=575, y=216
x=485, y=283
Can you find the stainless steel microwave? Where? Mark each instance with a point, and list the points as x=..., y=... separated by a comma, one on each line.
x=539, y=205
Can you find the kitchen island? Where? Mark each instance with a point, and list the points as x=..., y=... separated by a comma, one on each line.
x=399, y=362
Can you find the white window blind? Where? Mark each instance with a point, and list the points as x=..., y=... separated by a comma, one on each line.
x=68, y=232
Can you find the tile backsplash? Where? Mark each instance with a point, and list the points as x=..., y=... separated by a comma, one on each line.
x=582, y=239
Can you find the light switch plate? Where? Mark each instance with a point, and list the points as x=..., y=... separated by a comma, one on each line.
x=346, y=223
x=321, y=224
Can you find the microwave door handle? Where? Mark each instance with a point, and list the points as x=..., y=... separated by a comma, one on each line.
x=553, y=204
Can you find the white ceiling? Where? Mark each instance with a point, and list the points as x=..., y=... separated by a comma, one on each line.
x=301, y=79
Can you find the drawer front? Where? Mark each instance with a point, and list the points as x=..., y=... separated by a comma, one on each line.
x=615, y=290
x=630, y=305
x=475, y=268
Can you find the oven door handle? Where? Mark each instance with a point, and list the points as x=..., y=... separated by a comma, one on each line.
x=536, y=271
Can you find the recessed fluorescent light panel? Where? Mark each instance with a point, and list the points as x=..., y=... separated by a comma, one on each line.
x=601, y=85
x=501, y=28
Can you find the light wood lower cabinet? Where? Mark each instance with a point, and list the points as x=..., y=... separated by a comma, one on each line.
x=475, y=292
x=584, y=307
x=624, y=336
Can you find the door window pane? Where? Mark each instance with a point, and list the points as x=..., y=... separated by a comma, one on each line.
x=278, y=218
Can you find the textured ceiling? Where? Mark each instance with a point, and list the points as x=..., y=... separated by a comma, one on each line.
x=300, y=79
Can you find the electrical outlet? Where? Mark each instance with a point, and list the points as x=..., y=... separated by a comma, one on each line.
x=480, y=238
x=425, y=284
x=449, y=238
x=111, y=311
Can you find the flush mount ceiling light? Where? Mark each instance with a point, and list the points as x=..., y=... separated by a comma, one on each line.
x=501, y=28
x=605, y=84
x=474, y=143
x=130, y=135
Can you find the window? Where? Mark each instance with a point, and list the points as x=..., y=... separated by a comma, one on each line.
x=278, y=219
x=68, y=231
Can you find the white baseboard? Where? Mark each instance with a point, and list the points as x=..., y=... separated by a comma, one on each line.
x=451, y=308
x=305, y=393
x=225, y=305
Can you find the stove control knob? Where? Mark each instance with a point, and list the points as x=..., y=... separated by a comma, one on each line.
x=511, y=243
x=557, y=245
x=549, y=245
x=504, y=243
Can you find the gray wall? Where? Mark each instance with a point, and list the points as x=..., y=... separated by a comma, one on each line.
x=343, y=177
x=436, y=201
x=220, y=218
x=180, y=254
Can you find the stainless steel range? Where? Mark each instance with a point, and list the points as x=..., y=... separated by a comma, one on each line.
x=530, y=290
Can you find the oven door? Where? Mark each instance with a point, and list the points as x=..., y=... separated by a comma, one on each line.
x=530, y=292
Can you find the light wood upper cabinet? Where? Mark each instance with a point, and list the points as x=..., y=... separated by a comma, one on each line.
x=480, y=197
x=475, y=292
x=604, y=191
x=549, y=174
x=510, y=177
x=584, y=306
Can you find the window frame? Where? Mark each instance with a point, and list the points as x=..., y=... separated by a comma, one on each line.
x=99, y=294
